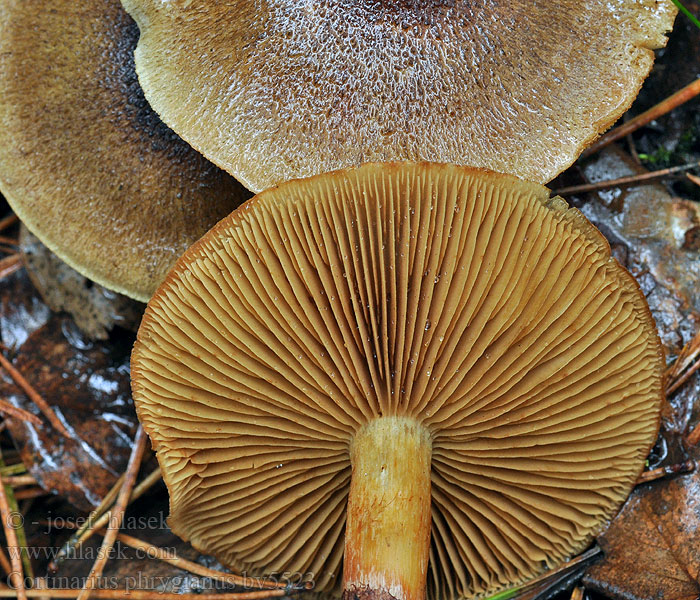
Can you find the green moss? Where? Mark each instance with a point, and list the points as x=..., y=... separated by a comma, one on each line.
x=685, y=150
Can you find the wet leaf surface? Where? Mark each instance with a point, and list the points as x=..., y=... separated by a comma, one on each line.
x=22, y=311
x=85, y=382
x=646, y=228
x=653, y=546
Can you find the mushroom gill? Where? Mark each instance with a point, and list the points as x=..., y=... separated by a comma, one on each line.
x=436, y=372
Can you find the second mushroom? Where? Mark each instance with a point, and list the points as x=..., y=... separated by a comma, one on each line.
x=424, y=377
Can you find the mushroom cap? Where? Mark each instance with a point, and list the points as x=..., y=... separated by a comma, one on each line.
x=84, y=161
x=465, y=299
x=271, y=91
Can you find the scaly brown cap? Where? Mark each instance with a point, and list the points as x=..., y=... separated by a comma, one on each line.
x=463, y=311
x=271, y=91
x=84, y=161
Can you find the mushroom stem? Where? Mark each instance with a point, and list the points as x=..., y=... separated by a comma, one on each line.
x=387, y=537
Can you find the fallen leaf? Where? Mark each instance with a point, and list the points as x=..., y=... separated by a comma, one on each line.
x=87, y=385
x=22, y=311
x=652, y=548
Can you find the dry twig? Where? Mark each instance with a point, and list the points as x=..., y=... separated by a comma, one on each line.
x=17, y=572
x=687, y=362
x=10, y=264
x=197, y=569
x=107, y=501
x=5, y=562
x=693, y=438
x=14, y=469
x=116, y=514
x=687, y=375
x=668, y=471
x=624, y=181
x=17, y=480
x=18, y=413
x=87, y=531
x=28, y=493
x=8, y=221
x=33, y=395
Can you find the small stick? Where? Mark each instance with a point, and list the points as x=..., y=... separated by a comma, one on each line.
x=683, y=378
x=107, y=501
x=694, y=178
x=17, y=480
x=17, y=526
x=693, y=437
x=90, y=528
x=685, y=357
x=8, y=240
x=117, y=514
x=148, y=482
x=668, y=471
x=5, y=562
x=633, y=150
x=674, y=101
x=18, y=413
x=10, y=264
x=577, y=593
x=623, y=181
x=8, y=221
x=27, y=493
x=142, y=594
x=187, y=565
x=40, y=584
x=33, y=395
x=17, y=573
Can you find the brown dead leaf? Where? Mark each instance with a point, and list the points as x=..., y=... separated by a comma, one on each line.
x=22, y=311
x=652, y=548
x=85, y=382
x=87, y=385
